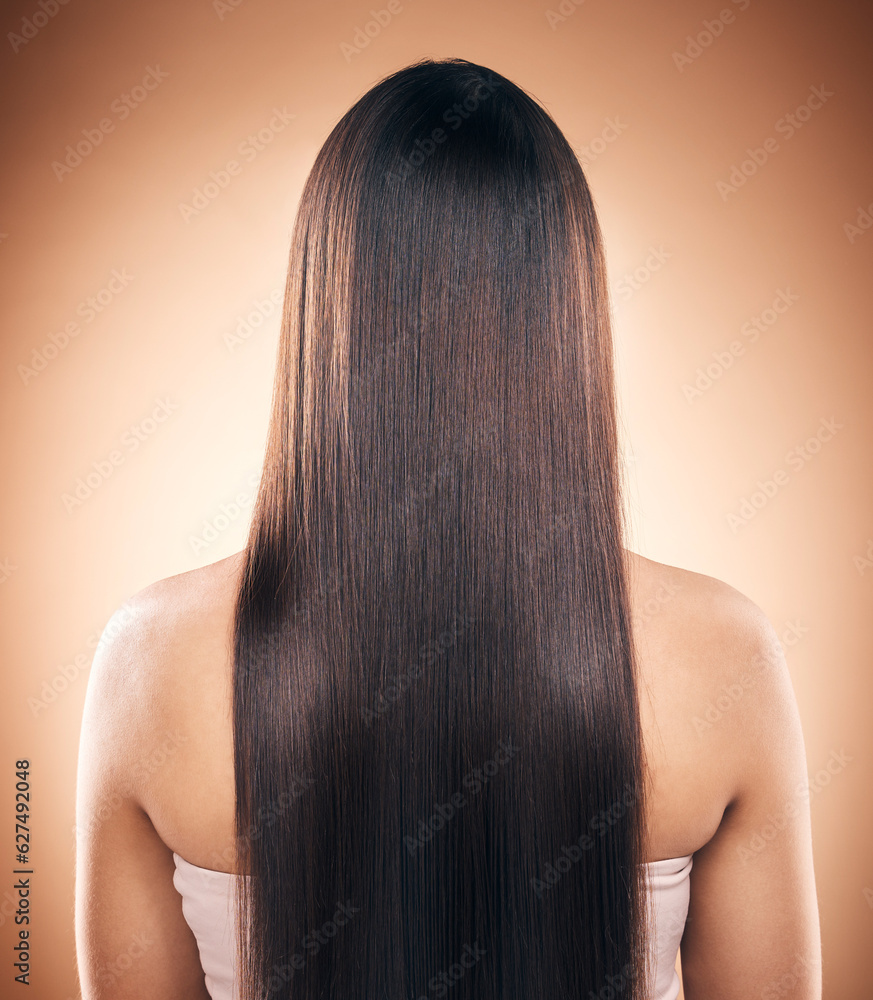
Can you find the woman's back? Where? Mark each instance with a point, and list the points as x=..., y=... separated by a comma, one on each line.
x=720, y=729
x=433, y=587
x=683, y=659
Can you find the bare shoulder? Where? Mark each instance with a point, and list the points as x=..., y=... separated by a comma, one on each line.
x=189, y=597
x=149, y=745
x=714, y=684
x=161, y=651
x=689, y=596
x=697, y=626
x=172, y=610
x=728, y=655
x=723, y=704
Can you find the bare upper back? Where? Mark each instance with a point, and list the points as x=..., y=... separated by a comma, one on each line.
x=724, y=746
x=693, y=636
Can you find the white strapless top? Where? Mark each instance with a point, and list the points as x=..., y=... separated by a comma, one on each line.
x=208, y=907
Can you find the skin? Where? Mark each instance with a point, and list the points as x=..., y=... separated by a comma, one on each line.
x=156, y=776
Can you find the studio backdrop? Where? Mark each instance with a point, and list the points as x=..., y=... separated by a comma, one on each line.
x=153, y=159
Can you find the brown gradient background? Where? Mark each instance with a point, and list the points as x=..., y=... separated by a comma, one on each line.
x=689, y=464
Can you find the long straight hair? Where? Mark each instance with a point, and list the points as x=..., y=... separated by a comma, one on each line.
x=438, y=756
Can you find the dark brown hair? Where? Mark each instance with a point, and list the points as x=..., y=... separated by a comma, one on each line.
x=438, y=755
